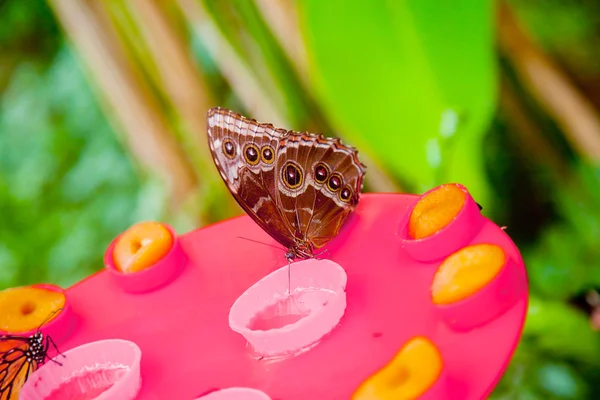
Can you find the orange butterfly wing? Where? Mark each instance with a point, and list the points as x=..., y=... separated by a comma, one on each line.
x=14, y=367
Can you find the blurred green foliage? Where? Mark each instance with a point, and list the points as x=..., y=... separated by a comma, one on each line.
x=425, y=110
x=67, y=186
x=573, y=34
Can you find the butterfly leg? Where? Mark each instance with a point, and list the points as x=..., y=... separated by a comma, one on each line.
x=47, y=346
x=55, y=347
x=324, y=251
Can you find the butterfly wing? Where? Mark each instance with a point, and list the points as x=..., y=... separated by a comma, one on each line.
x=331, y=176
x=15, y=369
x=284, y=193
x=244, y=152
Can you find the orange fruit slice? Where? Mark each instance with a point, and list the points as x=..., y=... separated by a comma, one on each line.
x=435, y=210
x=412, y=371
x=141, y=246
x=26, y=308
x=466, y=271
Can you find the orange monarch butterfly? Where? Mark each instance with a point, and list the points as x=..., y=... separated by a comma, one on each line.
x=19, y=358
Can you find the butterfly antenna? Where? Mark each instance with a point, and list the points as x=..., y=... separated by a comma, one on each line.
x=49, y=317
x=266, y=244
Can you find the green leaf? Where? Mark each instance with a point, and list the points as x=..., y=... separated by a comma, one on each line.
x=561, y=330
x=578, y=203
x=561, y=381
x=8, y=266
x=555, y=267
x=410, y=82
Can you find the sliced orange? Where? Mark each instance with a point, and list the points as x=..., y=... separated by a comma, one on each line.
x=412, y=371
x=466, y=271
x=141, y=246
x=26, y=308
x=435, y=210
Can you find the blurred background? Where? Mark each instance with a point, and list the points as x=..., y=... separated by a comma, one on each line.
x=102, y=124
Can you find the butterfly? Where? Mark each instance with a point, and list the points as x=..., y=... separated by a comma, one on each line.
x=299, y=187
x=19, y=358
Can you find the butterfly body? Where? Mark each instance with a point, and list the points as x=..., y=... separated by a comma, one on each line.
x=298, y=187
x=19, y=358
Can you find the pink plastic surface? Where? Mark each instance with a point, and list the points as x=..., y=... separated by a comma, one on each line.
x=151, y=278
x=110, y=369
x=236, y=393
x=447, y=240
x=440, y=389
x=317, y=304
x=189, y=348
x=58, y=328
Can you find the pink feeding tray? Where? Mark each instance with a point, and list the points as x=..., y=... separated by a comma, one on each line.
x=447, y=240
x=189, y=348
x=236, y=393
x=102, y=370
x=153, y=277
x=275, y=323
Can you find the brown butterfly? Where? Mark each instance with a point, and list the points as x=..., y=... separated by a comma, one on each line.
x=299, y=187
